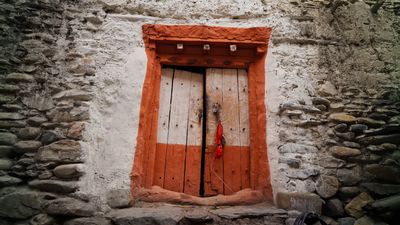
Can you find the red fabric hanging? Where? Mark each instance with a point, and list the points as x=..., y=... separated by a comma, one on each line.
x=218, y=140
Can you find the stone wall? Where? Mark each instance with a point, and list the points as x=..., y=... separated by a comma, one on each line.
x=70, y=87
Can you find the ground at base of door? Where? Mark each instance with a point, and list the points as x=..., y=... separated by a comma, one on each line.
x=162, y=213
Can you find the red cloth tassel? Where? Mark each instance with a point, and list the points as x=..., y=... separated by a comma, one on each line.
x=218, y=140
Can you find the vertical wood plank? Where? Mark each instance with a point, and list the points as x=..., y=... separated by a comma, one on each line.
x=194, y=136
x=177, y=134
x=244, y=130
x=163, y=122
x=213, y=168
x=230, y=121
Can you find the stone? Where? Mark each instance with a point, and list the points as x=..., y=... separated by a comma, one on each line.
x=7, y=138
x=351, y=144
x=341, y=127
x=161, y=215
x=5, y=164
x=321, y=101
x=19, y=78
x=56, y=186
x=346, y=221
x=384, y=205
x=12, y=123
x=63, y=151
x=303, y=202
x=29, y=133
x=304, y=173
x=119, y=198
x=349, y=177
x=349, y=192
x=382, y=189
x=10, y=116
x=395, y=119
x=370, y=122
x=73, y=94
x=342, y=118
x=38, y=101
x=198, y=216
x=293, y=163
x=27, y=146
x=383, y=148
x=8, y=88
x=237, y=212
x=20, y=205
x=327, y=186
x=69, y=171
x=42, y=219
x=12, y=107
x=358, y=128
x=334, y=208
x=327, y=89
x=36, y=120
x=380, y=139
x=384, y=173
x=75, y=114
x=6, y=151
x=366, y=158
x=336, y=107
x=69, y=207
x=6, y=98
x=89, y=221
x=344, y=152
x=75, y=131
x=48, y=137
x=297, y=148
x=365, y=220
x=349, y=136
x=355, y=207
x=9, y=181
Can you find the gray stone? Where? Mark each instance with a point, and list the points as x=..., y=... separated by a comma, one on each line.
x=304, y=173
x=380, y=139
x=327, y=89
x=389, y=204
x=12, y=107
x=38, y=101
x=297, y=148
x=388, y=174
x=358, y=128
x=382, y=189
x=19, y=77
x=8, y=88
x=29, y=133
x=351, y=144
x=69, y=171
x=321, y=101
x=10, y=116
x=56, y=186
x=119, y=198
x=7, y=138
x=349, y=177
x=346, y=221
x=198, y=216
x=303, y=202
x=349, y=136
x=336, y=107
x=341, y=127
x=64, y=151
x=342, y=118
x=12, y=123
x=366, y=158
x=20, y=205
x=5, y=164
x=27, y=146
x=237, y=212
x=42, y=219
x=73, y=94
x=355, y=207
x=334, y=208
x=365, y=220
x=370, y=122
x=69, y=207
x=164, y=215
x=89, y=221
x=327, y=186
x=6, y=98
x=36, y=120
x=9, y=180
x=48, y=137
x=293, y=163
x=6, y=151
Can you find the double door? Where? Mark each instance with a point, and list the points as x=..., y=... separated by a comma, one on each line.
x=191, y=104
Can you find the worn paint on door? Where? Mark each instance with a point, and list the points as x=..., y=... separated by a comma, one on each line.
x=180, y=132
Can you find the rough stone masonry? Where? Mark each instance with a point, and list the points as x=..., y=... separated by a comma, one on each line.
x=71, y=74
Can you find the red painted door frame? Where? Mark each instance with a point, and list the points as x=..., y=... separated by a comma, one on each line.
x=161, y=49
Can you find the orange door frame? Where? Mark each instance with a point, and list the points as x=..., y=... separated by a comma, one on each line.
x=161, y=49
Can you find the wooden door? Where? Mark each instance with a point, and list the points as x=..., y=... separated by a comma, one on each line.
x=227, y=96
x=179, y=137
